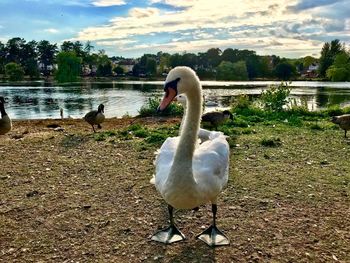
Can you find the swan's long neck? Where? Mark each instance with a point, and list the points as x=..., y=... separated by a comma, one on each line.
x=189, y=130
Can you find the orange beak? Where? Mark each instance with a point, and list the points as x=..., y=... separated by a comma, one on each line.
x=169, y=96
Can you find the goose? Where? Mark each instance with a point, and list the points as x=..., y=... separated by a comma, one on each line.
x=189, y=174
x=215, y=118
x=95, y=117
x=5, y=121
x=343, y=121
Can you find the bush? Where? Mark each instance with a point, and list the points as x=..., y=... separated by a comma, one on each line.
x=150, y=109
x=275, y=97
x=241, y=102
x=334, y=110
x=14, y=71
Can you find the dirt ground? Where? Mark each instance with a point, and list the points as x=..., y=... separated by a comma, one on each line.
x=65, y=197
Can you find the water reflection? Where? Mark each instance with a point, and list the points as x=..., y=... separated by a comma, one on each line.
x=39, y=100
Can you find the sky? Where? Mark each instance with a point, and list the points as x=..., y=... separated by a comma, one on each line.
x=287, y=28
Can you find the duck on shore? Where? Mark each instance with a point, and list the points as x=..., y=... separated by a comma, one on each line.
x=216, y=118
x=95, y=117
x=5, y=121
x=343, y=121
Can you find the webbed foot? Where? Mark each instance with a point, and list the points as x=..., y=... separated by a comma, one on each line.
x=168, y=235
x=213, y=237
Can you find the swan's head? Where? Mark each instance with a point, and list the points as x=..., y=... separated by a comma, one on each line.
x=180, y=80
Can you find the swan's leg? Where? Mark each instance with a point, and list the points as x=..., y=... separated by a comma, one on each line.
x=213, y=236
x=93, y=128
x=170, y=234
x=99, y=126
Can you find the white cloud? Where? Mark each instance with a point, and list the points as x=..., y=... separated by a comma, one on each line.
x=197, y=23
x=104, y=3
x=117, y=43
x=51, y=30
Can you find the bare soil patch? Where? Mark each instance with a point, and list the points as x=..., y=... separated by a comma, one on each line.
x=66, y=197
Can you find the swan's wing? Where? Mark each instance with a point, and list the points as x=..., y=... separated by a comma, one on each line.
x=205, y=135
x=210, y=166
x=164, y=160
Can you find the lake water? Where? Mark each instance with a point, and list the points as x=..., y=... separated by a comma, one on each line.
x=39, y=100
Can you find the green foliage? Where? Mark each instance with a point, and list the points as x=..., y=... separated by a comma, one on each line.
x=316, y=127
x=340, y=70
x=118, y=70
x=46, y=55
x=275, y=97
x=102, y=136
x=242, y=101
x=69, y=67
x=328, y=54
x=232, y=71
x=284, y=71
x=333, y=110
x=14, y=71
x=150, y=109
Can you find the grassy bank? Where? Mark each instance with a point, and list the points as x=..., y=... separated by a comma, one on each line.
x=72, y=195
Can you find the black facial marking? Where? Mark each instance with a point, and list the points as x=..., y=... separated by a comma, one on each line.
x=171, y=84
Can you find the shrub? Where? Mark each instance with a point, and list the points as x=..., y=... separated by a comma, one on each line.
x=334, y=110
x=242, y=101
x=150, y=109
x=275, y=97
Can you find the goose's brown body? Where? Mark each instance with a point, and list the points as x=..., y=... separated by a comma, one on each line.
x=343, y=121
x=5, y=121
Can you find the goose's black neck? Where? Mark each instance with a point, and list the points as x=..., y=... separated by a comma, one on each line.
x=2, y=109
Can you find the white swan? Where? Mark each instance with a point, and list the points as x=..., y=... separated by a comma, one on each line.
x=189, y=174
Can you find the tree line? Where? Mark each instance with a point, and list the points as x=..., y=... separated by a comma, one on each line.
x=74, y=59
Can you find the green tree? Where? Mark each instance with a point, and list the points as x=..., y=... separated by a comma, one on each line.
x=328, y=54
x=13, y=49
x=29, y=59
x=164, y=62
x=14, y=71
x=229, y=55
x=151, y=66
x=340, y=70
x=265, y=69
x=232, y=71
x=213, y=56
x=2, y=58
x=118, y=70
x=284, y=71
x=69, y=67
x=104, y=65
x=46, y=55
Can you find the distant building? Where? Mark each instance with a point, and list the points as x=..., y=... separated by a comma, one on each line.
x=311, y=71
